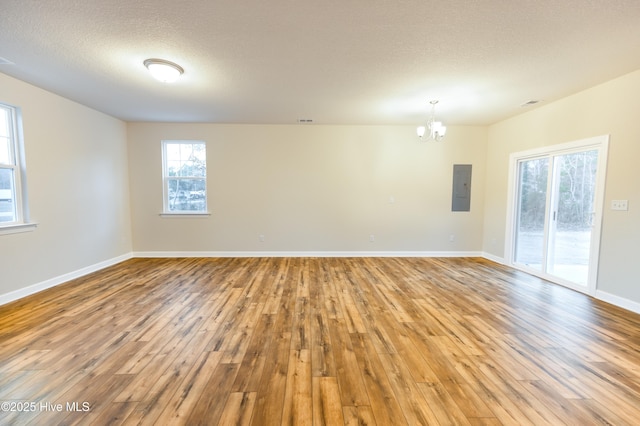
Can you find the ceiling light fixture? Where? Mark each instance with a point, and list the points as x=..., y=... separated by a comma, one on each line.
x=436, y=129
x=164, y=71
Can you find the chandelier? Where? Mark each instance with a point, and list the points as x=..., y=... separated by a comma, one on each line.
x=435, y=128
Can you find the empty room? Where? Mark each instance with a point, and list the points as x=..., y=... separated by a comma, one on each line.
x=319, y=213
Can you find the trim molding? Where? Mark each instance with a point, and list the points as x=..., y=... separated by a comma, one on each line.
x=17, y=228
x=494, y=258
x=618, y=301
x=52, y=282
x=307, y=254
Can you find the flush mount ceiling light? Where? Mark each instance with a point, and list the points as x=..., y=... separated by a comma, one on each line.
x=164, y=71
x=436, y=129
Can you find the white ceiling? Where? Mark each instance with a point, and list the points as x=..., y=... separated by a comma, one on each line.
x=333, y=61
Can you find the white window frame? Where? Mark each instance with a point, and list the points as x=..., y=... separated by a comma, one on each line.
x=17, y=166
x=166, y=212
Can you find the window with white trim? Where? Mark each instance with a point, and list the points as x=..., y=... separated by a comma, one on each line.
x=184, y=172
x=13, y=211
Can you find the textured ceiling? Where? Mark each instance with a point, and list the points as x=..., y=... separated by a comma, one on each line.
x=333, y=61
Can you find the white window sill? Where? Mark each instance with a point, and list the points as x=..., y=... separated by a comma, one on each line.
x=17, y=228
x=186, y=214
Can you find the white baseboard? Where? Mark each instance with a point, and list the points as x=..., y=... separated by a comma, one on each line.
x=493, y=258
x=621, y=302
x=35, y=288
x=307, y=254
x=52, y=282
x=618, y=301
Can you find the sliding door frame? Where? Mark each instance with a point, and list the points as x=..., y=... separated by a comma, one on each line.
x=601, y=143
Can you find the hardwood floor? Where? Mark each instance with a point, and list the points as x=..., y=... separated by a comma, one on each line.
x=317, y=341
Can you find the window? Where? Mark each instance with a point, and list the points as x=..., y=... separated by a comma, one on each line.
x=13, y=210
x=184, y=171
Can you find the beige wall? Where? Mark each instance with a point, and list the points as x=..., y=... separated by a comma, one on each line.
x=611, y=108
x=78, y=189
x=312, y=188
x=306, y=188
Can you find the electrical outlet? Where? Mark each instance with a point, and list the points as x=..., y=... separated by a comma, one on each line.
x=622, y=205
x=261, y=238
x=452, y=238
x=372, y=238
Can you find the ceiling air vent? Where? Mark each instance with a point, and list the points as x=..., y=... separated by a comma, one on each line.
x=529, y=103
x=305, y=120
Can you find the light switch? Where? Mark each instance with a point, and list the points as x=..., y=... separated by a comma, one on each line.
x=620, y=205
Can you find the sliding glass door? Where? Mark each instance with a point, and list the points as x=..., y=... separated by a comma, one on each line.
x=557, y=204
x=530, y=247
x=573, y=210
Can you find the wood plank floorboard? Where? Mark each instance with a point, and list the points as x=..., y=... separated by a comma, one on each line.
x=316, y=341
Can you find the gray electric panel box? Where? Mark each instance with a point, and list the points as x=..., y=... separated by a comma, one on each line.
x=461, y=198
